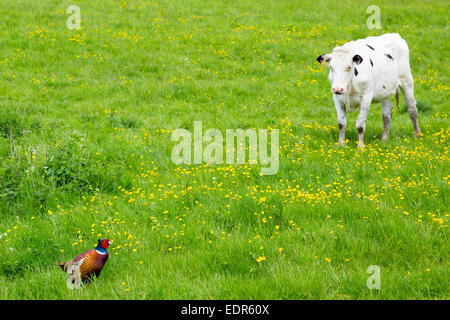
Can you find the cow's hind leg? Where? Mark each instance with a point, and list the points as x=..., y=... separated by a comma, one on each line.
x=407, y=86
x=386, y=110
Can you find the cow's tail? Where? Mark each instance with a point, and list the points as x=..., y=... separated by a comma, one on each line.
x=397, y=99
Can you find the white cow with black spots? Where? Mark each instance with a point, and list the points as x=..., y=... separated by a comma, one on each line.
x=370, y=70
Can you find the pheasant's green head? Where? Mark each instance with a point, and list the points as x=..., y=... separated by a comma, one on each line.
x=103, y=244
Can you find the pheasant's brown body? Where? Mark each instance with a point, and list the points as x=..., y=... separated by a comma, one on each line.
x=91, y=261
x=93, y=264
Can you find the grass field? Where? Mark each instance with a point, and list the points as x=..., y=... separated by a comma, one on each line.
x=86, y=118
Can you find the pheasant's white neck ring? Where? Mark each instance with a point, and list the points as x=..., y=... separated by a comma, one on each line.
x=101, y=251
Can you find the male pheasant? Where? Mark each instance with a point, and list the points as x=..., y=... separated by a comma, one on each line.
x=86, y=264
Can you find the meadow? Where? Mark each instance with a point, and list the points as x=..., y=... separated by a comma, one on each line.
x=86, y=118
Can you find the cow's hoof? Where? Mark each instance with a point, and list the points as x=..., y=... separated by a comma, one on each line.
x=361, y=146
x=384, y=137
x=418, y=135
x=341, y=144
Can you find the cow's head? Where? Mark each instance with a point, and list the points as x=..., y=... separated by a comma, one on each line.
x=342, y=68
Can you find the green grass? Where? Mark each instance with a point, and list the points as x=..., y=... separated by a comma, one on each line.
x=85, y=123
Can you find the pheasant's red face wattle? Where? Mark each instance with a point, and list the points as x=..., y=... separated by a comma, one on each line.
x=106, y=243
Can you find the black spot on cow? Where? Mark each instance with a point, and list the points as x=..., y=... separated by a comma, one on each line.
x=356, y=72
x=389, y=56
x=371, y=62
x=370, y=47
x=360, y=130
x=384, y=87
x=357, y=59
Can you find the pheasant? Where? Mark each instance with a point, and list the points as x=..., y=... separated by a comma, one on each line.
x=86, y=264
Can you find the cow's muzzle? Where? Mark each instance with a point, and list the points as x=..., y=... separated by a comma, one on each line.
x=338, y=90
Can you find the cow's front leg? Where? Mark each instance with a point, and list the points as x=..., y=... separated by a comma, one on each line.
x=341, y=119
x=361, y=121
x=386, y=110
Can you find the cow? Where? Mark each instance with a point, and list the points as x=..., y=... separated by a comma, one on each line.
x=370, y=70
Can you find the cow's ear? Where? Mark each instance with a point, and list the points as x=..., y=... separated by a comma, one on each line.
x=323, y=57
x=357, y=59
